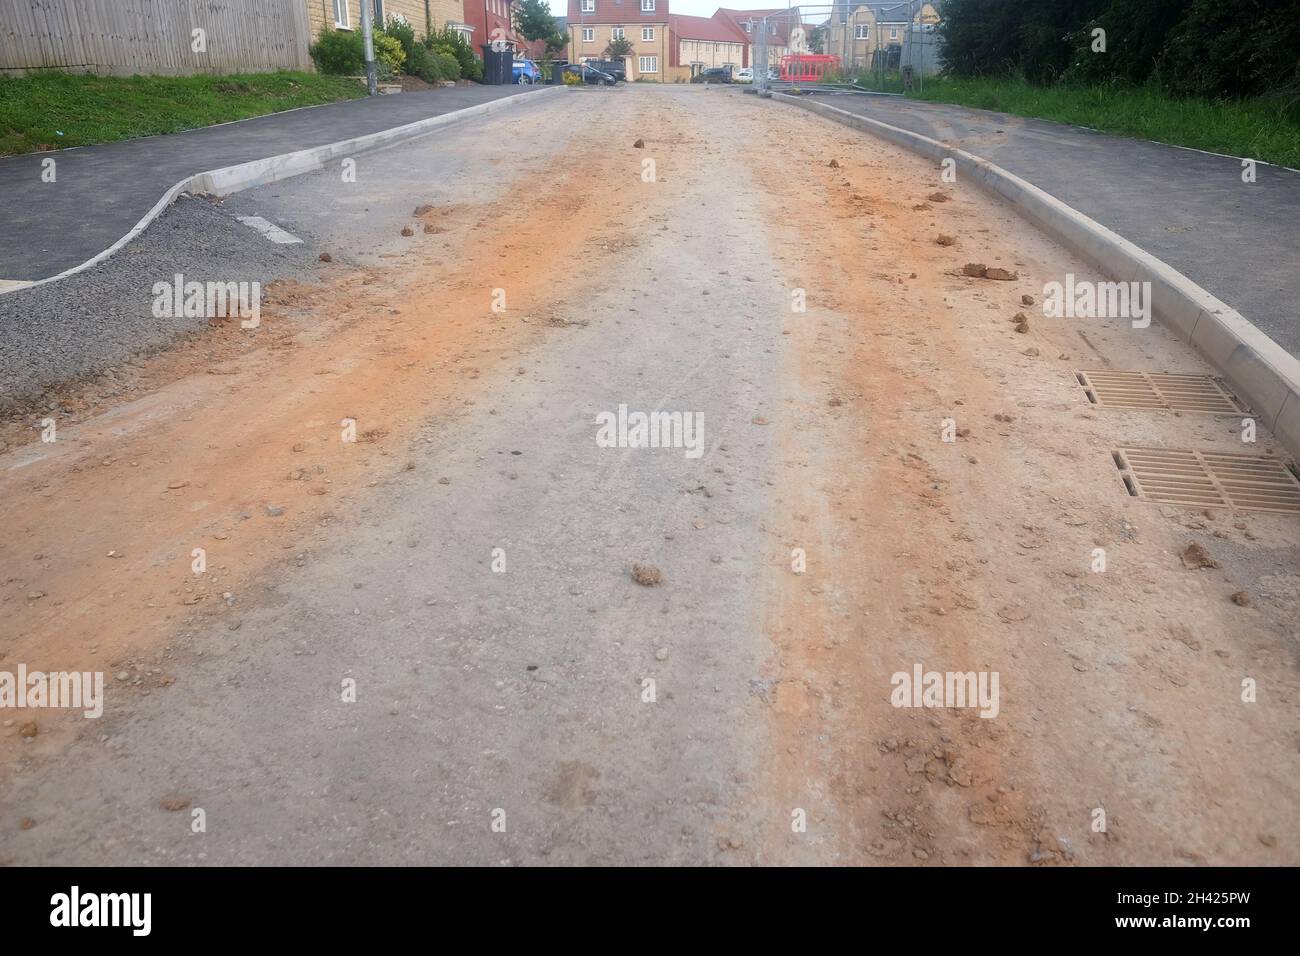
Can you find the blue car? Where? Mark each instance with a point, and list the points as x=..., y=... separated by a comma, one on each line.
x=526, y=71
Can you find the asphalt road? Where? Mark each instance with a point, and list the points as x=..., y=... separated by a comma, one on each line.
x=102, y=191
x=1240, y=241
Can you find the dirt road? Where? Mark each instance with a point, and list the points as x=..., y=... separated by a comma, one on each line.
x=429, y=644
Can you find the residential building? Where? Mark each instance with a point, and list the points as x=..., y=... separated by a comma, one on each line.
x=858, y=30
x=493, y=21
x=780, y=21
x=593, y=24
x=701, y=43
x=346, y=14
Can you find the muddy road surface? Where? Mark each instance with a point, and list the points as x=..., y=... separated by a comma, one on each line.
x=392, y=577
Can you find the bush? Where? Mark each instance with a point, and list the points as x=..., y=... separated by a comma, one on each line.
x=1190, y=48
x=448, y=66
x=431, y=66
x=403, y=33
x=449, y=41
x=388, y=55
x=339, y=52
x=572, y=79
x=420, y=63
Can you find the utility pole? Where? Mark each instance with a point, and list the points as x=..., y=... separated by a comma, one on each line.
x=368, y=36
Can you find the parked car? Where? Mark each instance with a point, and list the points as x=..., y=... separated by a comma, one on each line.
x=743, y=76
x=526, y=71
x=715, y=74
x=615, y=68
x=590, y=74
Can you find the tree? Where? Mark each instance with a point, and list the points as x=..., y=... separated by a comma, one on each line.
x=817, y=38
x=535, y=21
x=618, y=49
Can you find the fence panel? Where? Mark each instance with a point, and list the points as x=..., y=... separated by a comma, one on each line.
x=153, y=36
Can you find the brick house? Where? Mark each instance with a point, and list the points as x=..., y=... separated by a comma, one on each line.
x=779, y=28
x=493, y=20
x=346, y=14
x=700, y=43
x=645, y=23
x=873, y=26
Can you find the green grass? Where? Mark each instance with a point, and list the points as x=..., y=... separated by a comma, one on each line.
x=1259, y=128
x=56, y=110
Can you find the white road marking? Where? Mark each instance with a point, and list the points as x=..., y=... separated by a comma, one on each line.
x=269, y=229
x=7, y=285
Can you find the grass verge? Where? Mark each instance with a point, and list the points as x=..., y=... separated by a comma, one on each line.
x=1260, y=128
x=51, y=110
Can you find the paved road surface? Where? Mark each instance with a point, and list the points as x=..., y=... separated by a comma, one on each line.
x=429, y=645
x=102, y=191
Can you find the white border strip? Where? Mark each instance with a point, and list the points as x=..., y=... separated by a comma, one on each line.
x=1260, y=370
x=259, y=172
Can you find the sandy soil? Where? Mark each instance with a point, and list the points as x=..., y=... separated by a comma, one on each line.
x=1119, y=691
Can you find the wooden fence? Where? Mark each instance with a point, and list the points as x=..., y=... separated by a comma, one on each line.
x=154, y=36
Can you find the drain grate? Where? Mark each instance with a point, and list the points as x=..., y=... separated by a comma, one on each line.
x=1209, y=479
x=1163, y=390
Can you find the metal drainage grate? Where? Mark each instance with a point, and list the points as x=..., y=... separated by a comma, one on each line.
x=1209, y=479
x=1184, y=393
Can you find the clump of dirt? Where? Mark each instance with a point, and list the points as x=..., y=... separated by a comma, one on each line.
x=1241, y=599
x=639, y=144
x=1022, y=322
x=834, y=164
x=173, y=802
x=647, y=575
x=431, y=230
x=1026, y=300
x=421, y=211
x=937, y=197
x=408, y=231
x=1196, y=557
x=29, y=730
x=325, y=257
x=413, y=84
x=978, y=270
x=946, y=240
x=289, y=292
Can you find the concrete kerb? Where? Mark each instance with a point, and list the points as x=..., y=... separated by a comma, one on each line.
x=259, y=172
x=1264, y=374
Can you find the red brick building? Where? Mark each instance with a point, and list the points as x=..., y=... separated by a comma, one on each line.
x=493, y=20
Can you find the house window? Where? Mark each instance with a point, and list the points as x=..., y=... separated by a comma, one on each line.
x=893, y=33
x=863, y=32
x=647, y=6
x=647, y=33
x=749, y=26
x=588, y=34
x=648, y=64
x=588, y=6
x=341, y=13
x=616, y=33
